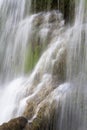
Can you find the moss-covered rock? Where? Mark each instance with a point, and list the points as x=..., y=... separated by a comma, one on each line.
x=15, y=124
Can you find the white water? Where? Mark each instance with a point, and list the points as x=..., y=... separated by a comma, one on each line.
x=12, y=38
x=16, y=30
x=74, y=109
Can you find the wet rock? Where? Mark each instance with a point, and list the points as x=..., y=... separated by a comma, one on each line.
x=39, y=19
x=45, y=117
x=45, y=27
x=59, y=69
x=14, y=124
x=45, y=84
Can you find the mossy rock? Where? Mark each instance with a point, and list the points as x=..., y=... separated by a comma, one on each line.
x=15, y=124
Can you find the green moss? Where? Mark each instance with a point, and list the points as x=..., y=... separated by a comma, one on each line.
x=31, y=57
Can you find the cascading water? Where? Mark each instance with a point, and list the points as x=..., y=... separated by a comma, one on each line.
x=11, y=16
x=74, y=110
x=59, y=75
x=13, y=45
x=22, y=38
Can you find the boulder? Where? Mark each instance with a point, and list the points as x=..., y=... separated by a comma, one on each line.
x=15, y=124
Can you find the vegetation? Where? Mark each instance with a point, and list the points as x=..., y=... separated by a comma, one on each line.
x=31, y=57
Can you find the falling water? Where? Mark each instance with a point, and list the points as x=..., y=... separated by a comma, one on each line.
x=12, y=46
x=74, y=110
x=11, y=17
x=60, y=74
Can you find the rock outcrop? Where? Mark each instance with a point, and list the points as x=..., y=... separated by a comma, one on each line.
x=15, y=124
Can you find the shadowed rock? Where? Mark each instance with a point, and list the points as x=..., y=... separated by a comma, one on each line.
x=67, y=7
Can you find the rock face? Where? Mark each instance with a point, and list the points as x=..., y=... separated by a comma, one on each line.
x=15, y=124
x=45, y=26
x=65, y=6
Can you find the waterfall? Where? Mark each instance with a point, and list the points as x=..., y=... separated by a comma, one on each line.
x=42, y=61
x=74, y=110
x=23, y=39
x=12, y=20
